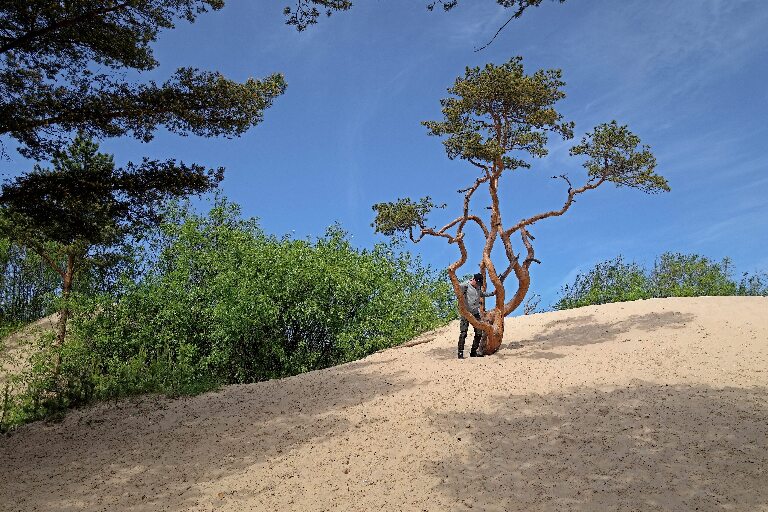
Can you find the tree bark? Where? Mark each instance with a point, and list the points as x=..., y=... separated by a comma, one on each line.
x=64, y=313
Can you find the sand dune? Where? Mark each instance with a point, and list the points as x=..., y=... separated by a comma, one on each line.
x=19, y=346
x=651, y=405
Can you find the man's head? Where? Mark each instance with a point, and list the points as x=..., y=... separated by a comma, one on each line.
x=477, y=280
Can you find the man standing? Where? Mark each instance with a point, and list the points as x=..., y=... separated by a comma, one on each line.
x=471, y=291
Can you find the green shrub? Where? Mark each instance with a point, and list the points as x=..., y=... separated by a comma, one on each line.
x=609, y=281
x=222, y=302
x=672, y=275
x=252, y=307
x=691, y=275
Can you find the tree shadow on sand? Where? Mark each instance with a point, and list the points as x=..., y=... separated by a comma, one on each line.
x=645, y=447
x=587, y=330
x=578, y=331
x=154, y=453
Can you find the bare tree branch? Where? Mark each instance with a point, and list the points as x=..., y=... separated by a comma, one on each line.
x=572, y=193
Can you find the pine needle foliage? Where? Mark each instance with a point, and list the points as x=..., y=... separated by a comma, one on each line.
x=63, y=68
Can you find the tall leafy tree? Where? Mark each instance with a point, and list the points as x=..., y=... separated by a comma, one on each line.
x=498, y=118
x=63, y=67
x=84, y=206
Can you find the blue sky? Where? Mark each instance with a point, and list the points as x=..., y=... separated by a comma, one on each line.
x=689, y=77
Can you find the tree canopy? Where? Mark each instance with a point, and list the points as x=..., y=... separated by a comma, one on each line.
x=672, y=275
x=62, y=69
x=219, y=301
x=86, y=199
x=84, y=203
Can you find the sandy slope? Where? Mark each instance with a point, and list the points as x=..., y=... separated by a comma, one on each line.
x=651, y=405
x=17, y=348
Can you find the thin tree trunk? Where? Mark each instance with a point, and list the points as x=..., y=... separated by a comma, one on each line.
x=65, y=312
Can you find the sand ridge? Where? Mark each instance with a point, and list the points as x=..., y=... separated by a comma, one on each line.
x=649, y=405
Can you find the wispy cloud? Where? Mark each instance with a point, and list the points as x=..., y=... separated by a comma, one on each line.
x=667, y=56
x=475, y=26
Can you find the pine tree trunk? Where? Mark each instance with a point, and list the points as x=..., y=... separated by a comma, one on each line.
x=495, y=337
x=64, y=313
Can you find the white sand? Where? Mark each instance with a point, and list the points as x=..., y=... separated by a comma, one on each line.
x=650, y=405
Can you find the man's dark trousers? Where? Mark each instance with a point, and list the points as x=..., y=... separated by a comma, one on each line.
x=463, y=336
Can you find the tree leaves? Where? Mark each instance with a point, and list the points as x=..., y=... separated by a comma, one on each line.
x=201, y=103
x=48, y=87
x=64, y=37
x=257, y=307
x=495, y=110
x=672, y=275
x=306, y=12
x=402, y=216
x=85, y=200
x=615, y=154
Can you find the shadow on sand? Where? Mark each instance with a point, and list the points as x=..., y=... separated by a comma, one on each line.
x=153, y=453
x=587, y=330
x=646, y=447
x=579, y=331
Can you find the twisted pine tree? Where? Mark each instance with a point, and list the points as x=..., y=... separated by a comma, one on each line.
x=497, y=119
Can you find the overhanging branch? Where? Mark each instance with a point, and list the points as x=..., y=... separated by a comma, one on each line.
x=18, y=42
x=572, y=193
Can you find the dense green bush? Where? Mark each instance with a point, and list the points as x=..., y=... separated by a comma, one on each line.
x=672, y=275
x=222, y=302
x=609, y=281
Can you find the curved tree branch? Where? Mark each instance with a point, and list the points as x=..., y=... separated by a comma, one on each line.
x=572, y=193
x=523, y=5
